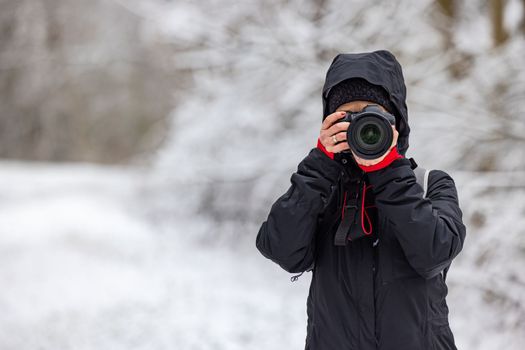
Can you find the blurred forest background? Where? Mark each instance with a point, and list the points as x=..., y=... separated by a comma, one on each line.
x=143, y=143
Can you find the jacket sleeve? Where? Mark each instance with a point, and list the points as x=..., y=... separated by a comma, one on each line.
x=430, y=230
x=287, y=236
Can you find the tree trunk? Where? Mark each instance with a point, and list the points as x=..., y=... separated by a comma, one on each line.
x=499, y=34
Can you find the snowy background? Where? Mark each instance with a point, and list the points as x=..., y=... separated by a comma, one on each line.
x=143, y=143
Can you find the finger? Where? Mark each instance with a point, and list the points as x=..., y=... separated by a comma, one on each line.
x=365, y=162
x=358, y=159
x=341, y=136
x=331, y=119
x=395, y=138
x=342, y=146
x=328, y=141
x=337, y=127
x=326, y=135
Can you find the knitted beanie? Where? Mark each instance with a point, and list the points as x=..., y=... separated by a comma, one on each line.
x=357, y=89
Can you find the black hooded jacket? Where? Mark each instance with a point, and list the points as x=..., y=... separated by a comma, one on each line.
x=385, y=290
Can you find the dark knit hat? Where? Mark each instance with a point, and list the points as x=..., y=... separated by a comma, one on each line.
x=357, y=89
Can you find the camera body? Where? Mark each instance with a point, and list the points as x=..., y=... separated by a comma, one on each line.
x=370, y=132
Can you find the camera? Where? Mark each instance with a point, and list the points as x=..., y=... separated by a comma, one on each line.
x=370, y=133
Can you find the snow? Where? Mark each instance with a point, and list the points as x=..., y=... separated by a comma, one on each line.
x=81, y=267
x=164, y=257
x=486, y=281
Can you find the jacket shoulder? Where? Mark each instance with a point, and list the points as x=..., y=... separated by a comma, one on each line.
x=437, y=175
x=441, y=183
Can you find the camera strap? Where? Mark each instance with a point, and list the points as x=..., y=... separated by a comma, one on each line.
x=348, y=217
x=354, y=218
x=422, y=180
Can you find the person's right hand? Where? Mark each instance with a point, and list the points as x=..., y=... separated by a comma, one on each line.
x=330, y=128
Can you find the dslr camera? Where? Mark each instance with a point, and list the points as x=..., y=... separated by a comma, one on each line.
x=370, y=132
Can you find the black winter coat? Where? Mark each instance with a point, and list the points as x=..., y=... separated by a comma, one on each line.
x=385, y=290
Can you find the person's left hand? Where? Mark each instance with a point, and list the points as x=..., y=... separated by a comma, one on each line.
x=368, y=162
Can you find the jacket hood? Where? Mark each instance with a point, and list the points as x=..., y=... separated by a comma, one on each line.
x=379, y=68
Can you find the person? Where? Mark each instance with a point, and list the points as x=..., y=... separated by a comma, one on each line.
x=383, y=287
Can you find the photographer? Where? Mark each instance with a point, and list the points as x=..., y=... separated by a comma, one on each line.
x=378, y=242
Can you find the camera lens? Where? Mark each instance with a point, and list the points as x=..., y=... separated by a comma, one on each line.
x=370, y=134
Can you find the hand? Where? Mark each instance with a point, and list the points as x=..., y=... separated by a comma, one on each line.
x=330, y=128
x=368, y=162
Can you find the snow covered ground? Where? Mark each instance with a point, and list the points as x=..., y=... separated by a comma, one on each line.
x=82, y=267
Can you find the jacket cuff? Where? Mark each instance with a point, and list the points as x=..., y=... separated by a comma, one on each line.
x=390, y=157
x=318, y=161
x=321, y=147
